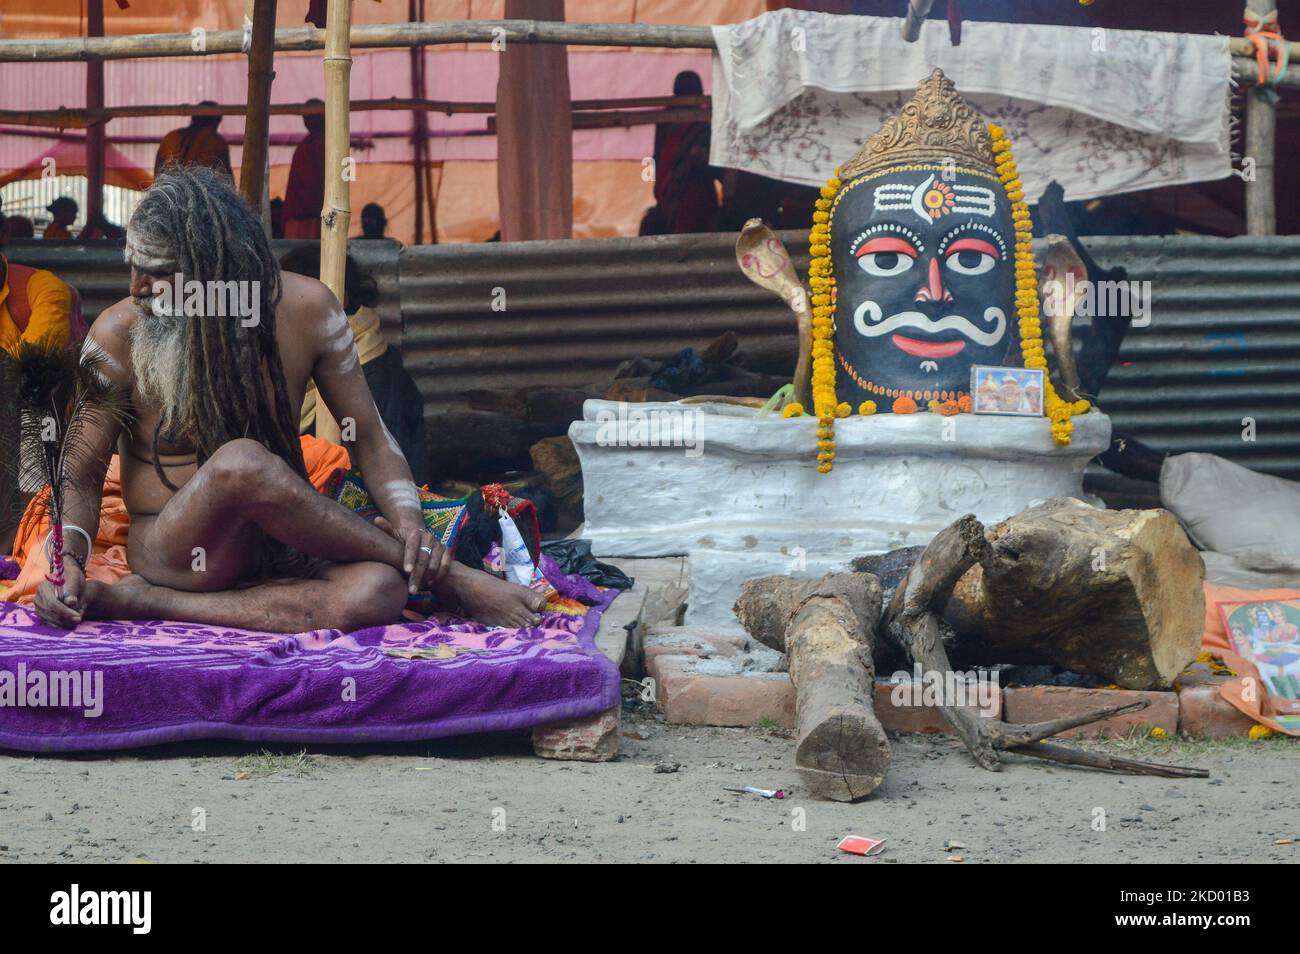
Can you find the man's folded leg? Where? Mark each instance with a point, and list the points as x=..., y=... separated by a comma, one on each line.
x=346, y=596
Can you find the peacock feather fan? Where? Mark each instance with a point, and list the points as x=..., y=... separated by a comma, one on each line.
x=55, y=397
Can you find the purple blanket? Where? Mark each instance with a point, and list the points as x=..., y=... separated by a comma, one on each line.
x=110, y=685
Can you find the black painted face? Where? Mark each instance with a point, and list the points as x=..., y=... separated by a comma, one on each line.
x=925, y=283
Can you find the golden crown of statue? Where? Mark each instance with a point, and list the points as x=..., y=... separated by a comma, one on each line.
x=933, y=126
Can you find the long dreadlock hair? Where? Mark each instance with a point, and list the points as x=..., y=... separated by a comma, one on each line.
x=215, y=236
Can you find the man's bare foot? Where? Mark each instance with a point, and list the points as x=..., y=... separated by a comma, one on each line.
x=125, y=599
x=493, y=601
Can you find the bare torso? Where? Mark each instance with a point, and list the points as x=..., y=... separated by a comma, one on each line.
x=194, y=550
x=143, y=492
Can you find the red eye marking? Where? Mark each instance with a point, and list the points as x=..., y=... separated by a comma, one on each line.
x=972, y=245
x=885, y=245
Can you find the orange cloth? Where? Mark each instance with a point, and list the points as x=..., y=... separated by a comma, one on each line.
x=193, y=147
x=49, y=301
x=56, y=231
x=1215, y=640
x=107, y=562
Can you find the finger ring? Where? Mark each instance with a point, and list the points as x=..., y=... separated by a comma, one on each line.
x=428, y=550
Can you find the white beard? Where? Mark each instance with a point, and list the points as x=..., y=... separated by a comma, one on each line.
x=161, y=365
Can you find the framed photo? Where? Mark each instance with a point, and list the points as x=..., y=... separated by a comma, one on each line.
x=1267, y=633
x=1017, y=391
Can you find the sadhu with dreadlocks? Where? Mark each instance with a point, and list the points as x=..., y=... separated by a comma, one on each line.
x=225, y=527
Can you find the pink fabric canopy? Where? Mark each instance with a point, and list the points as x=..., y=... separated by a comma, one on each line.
x=458, y=73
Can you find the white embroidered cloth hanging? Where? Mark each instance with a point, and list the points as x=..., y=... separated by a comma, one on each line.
x=1101, y=111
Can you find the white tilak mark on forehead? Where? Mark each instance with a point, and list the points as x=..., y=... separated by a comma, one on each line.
x=403, y=493
x=147, y=257
x=974, y=199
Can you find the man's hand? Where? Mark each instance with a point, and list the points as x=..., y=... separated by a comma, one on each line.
x=65, y=613
x=425, y=560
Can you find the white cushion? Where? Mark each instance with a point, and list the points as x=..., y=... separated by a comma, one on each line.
x=1229, y=508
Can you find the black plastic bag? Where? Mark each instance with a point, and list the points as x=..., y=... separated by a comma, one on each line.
x=574, y=556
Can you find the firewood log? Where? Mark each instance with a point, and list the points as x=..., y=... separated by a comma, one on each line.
x=825, y=627
x=1111, y=593
x=913, y=620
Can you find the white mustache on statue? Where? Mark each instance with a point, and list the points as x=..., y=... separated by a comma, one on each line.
x=869, y=311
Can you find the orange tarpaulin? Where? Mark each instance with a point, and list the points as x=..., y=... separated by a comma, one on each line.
x=609, y=186
x=68, y=158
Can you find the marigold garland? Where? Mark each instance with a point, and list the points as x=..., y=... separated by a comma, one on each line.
x=1059, y=411
x=904, y=405
x=820, y=277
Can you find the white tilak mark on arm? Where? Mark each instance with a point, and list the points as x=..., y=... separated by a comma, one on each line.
x=403, y=493
x=346, y=361
x=341, y=343
x=336, y=323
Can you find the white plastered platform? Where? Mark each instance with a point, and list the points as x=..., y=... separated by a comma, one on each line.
x=741, y=496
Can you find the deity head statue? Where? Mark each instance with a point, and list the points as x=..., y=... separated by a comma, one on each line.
x=922, y=248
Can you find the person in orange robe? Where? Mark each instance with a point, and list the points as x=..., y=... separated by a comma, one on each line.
x=198, y=144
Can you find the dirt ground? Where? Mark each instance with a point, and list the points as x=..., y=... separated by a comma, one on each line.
x=491, y=799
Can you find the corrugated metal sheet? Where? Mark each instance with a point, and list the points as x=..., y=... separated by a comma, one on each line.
x=99, y=274
x=1223, y=343
x=567, y=313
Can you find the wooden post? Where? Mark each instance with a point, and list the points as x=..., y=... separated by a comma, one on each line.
x=419, y=124
x=95, y=131
x=257, y=120
x=1260, y=146
x=336, y=214
x=534, y=134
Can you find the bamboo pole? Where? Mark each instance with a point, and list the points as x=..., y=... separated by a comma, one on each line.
x=419, y=123
x=401, y=35
x=72, y=118
x=1260, y=146
x=336, y=214
x=255, y=161
x=364, y=36
x=620, y=118
x=95, y=146
x=381, y=35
